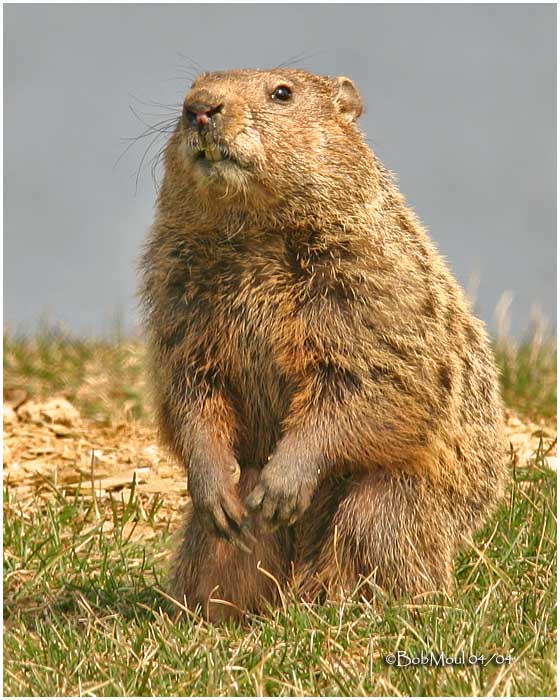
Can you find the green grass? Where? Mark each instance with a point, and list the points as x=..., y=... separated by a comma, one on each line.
x=85, y=609
x=85, y=613
x=528, y=375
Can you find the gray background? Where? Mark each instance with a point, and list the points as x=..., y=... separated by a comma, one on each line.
x=460, y=103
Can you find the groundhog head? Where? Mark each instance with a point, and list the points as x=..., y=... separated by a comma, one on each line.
x=273, y=135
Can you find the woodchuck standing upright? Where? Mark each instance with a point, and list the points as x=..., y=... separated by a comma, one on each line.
x=317, y=369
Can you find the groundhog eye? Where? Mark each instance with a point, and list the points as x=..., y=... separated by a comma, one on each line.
x=282, y=93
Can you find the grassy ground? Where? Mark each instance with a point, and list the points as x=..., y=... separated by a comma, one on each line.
x=85, y=609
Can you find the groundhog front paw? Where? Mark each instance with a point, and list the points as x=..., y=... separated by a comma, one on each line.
x=217, y=504
x=281, y=496
x=225, y=517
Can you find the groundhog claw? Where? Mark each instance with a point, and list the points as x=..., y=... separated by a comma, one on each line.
x=255, y=498
x=277, y=505
x=241, y=545
x=227, y=527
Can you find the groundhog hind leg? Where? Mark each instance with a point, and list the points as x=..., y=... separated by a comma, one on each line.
x=220, y=578
x=393, y=530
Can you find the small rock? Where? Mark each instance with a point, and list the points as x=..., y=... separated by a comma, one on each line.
x=543, y=433
x=61, y=430
x=9, y=416
x=151, y=454
x=56, y=410
x=14, y=397
x=7, y=454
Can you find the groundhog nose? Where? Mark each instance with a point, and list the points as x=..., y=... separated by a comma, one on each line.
x=200, y=114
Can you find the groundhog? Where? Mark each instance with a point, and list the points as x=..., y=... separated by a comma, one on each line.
x=316, y=367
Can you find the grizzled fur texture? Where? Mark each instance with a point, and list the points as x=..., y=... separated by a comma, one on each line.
x=317, y=369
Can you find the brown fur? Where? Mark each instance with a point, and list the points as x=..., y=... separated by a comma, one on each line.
x=313, y=357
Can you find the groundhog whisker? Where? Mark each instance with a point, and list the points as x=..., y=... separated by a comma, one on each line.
x=156, y=137
x=194, y=64
x=303, y=56
x=132, y=141
x=155, y=162
x=162, y=128
x=176, y=108
x=160, y=131
x=189, y=75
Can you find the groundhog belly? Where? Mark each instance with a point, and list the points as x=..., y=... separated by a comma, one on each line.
x=243, y=319
x=261, y=397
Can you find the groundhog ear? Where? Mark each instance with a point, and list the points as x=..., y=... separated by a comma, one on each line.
x=347, y=98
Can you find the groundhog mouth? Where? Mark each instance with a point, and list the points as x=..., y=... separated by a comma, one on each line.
x=212, y=154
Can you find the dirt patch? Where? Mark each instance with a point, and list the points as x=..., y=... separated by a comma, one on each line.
x=50, y=448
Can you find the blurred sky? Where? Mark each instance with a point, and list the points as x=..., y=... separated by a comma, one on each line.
x=460, y=103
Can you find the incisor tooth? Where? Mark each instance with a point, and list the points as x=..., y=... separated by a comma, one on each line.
x=212, y=152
